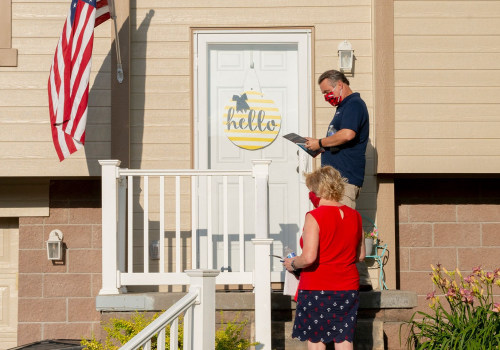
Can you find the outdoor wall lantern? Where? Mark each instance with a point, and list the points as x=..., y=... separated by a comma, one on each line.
x=346, y=55
x=54, y=245
x=154, y=250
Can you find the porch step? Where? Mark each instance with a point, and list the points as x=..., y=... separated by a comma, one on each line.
x=369, y=335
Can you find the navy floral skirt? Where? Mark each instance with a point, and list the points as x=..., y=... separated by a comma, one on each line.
x=326, y=316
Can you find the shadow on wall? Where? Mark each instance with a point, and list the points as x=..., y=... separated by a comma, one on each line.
x=367, y=201
x=99, y=110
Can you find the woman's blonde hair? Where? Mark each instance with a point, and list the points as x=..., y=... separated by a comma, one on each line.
x=327, y=183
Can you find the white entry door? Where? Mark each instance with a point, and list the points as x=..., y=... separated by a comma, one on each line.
x=270, y=69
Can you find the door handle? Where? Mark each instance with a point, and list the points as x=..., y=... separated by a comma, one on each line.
x=303, y=167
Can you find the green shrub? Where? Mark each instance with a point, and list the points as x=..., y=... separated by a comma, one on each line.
x=473, y=319
x=119, y=331
x=229, y=337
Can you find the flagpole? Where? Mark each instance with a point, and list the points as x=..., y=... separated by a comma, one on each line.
x=119, y=69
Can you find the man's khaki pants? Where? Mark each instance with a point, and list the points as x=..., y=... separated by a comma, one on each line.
x=351, y=193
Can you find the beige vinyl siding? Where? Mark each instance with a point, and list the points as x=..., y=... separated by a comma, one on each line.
x=26, y=147
x=447, y=77
x=162, y=65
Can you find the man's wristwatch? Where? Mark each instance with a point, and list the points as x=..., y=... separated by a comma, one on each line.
x=292, y=264
x=320, y=145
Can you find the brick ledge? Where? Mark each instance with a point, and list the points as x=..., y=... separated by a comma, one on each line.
x=387, y=299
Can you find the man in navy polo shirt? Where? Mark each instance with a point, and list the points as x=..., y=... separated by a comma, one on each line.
x=347, y=135
x=345, y=143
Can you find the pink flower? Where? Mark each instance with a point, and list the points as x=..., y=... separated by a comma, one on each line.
x=466, y=295
x=490, y=276
x=496, y=307
x=430, y=295
x=452, y=293
x=477, y=270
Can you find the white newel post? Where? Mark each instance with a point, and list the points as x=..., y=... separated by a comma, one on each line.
x=261, y=175
x=109, y=226
x=262, y=247
x=262, y=291
x=203, y=335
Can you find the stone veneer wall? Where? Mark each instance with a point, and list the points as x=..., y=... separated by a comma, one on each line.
x=454, y=222
x=58, y=300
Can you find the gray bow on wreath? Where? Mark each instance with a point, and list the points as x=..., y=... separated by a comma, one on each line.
x=241, y=105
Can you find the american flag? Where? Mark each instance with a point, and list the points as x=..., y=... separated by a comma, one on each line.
x=70, y=73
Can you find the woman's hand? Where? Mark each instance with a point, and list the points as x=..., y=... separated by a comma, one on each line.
x=287, y=263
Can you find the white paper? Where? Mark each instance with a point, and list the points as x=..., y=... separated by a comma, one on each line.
x=291, y=284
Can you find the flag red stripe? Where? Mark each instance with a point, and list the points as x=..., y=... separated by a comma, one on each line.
x=102, y=18
x=79, y=39
x=78, y=81
x=57, y=146
x=101, y=3
x=82, y=108
x=70, y=143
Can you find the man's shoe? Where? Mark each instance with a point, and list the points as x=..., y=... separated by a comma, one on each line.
x=365, y=288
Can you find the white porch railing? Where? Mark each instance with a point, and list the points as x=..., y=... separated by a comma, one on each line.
x=198, y=307
x=118, y=200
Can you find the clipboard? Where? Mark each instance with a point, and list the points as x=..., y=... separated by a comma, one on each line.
x=301, y=142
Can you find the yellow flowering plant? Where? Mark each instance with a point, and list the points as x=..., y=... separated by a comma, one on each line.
x=471, y=320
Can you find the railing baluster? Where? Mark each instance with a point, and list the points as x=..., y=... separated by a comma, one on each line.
x=210, y=257
x=242, y=224
x=188, y=319
x=147, y=346
x=224, y=218
x=162, y=224
x=160, y=343
x=130, y=219
x=146, y=224
x=194, y=224
x=122, y=231
x=177, y=224
x=174, y=333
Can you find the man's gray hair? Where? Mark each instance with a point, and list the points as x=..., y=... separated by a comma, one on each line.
x=333, y=76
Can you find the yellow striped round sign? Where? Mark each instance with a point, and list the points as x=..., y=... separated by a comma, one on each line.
x=250, y=121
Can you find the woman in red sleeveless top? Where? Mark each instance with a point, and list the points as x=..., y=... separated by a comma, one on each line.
x=331, y=242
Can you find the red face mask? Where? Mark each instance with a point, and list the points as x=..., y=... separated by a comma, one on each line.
x=334, y=101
